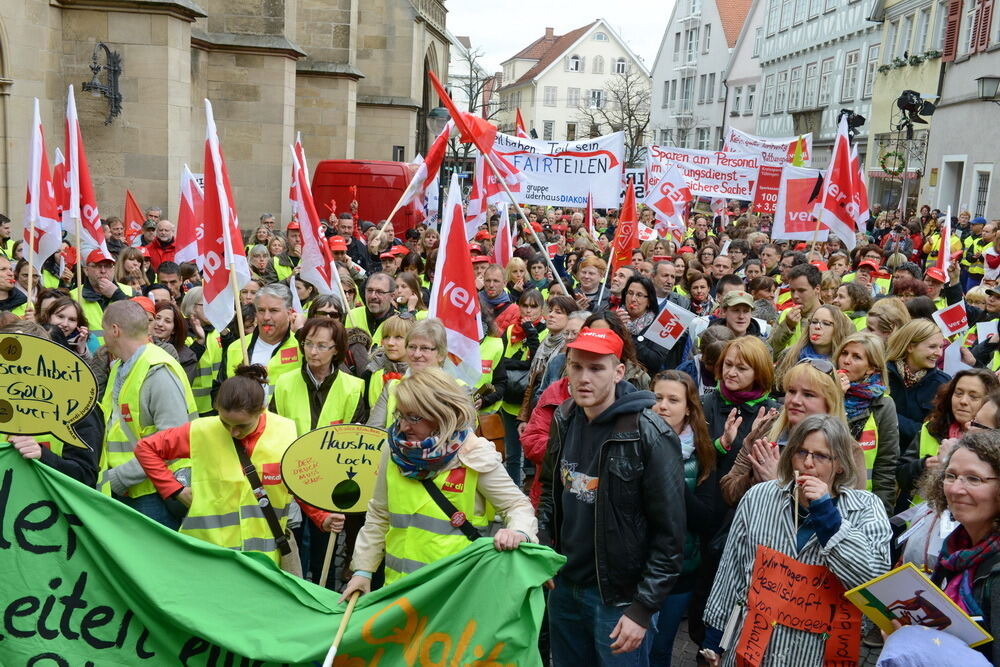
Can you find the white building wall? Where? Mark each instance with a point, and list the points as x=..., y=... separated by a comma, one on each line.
x=743, y=77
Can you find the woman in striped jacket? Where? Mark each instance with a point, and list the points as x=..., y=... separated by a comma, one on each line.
x=841, y=528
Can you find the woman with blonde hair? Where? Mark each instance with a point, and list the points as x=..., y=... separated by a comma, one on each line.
x=128, y=268
x=871, y=412
x=886, y=316
x=431, y=443
x=828, y=326
x=839, y=527
x=828, y=284
x=911, y=357
x=516, y=277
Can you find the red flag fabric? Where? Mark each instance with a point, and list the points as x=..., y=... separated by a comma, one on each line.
x=134, y=217
x=427, y=171
x=503, y=245
x=82, y=202
x=474, y=129
x=837, y=208
x=454, y=298
x=627, y=233
x=190, y=237
x=667, y=194
x=59, y=183
x=42, y=228
x=860, y=191
x=223, y=242
x=522, y=131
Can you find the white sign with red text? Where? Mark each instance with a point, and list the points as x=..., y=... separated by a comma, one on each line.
x=952, y=320
x=769, y=150
x=670, y=325
x=707, y=173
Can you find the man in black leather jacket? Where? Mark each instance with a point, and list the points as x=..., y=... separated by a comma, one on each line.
x=613, y=503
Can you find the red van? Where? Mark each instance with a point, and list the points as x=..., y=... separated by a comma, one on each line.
x=380, y=185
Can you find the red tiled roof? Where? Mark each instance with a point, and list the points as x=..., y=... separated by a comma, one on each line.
x=548, y=50
x=733, y=14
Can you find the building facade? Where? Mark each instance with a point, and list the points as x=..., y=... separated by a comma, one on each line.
x=817, y=57
x=743, y=73
x=556, y=76
x=689, y=89
x=350, y=75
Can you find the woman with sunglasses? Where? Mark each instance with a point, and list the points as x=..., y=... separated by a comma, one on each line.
x=839, y=527
x=828, y=327
x=955, y=407
x=432, y=442
x=968, y=566
x=871, y=412
x=810, y=389
x=912, y=354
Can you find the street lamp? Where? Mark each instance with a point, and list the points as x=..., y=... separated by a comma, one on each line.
x=987, y=86
x=109, y=90
x=437, y=118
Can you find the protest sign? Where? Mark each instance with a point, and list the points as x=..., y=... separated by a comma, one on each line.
x=953, y=359
x=637, y=177
x=561, y=173
x=908, y=596
x=45, y=388
x=765, y=195
x=110, y=587
x=769, y=150
x=784, y=591
x=708, y=173
x=798, y=195
x=669, y=325
x=334, y=467
x=952, y=319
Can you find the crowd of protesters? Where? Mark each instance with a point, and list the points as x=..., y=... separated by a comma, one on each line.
x=806, y=405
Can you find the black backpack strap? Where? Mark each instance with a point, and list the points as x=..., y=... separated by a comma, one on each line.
x=457, y=518
x=250, y=471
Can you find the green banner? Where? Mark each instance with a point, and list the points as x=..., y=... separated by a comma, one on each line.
x=88, y=582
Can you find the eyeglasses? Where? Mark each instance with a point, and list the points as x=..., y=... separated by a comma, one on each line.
x=332, y=314
x=822, y=365
x=821, y=323
x=377, y=292
x=422, y=349
x=317, y=346
x=982, y=427
x=412, y=419
x=970, y=481
x=817, y=458
x=636, y=295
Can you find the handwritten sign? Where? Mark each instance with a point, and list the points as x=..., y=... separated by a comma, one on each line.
x=44, y=388
x=765, y=196
x=908, y=596
x=334, y=467
x=810, y=598
x=952, y=319
x=707, y=173
x=770, y=150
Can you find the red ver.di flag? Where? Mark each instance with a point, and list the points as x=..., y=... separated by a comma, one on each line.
x=42, y=228
x=798, y=195
x=454, y=299
x=952, y=319
x=627, y=234
x=670, y=325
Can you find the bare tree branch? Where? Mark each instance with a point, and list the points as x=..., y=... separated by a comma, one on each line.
x=473, y=81
x=625, y=108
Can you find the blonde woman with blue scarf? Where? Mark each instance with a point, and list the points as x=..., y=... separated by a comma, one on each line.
x=439, y=485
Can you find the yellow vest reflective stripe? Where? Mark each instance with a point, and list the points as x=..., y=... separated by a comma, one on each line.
x=491, y=351
x=223, y=509
x=283, y=271
x=377, y=336
x=206, y=372
x=869, y=445
x=291, y=399
x=122, y=434
x=419, y=532
x=285, y=359
x=975, y=268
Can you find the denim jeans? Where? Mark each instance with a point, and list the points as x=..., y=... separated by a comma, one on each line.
x=580, y=625
x=513, y=454
x=671, y=615
x=152, y=506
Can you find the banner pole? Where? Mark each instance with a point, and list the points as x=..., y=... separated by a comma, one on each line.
x=604, y=282
x=331, y=542
x=555, y=274
x=79, y=258
x=31, y=265
x=332, y=653
x=239, y=315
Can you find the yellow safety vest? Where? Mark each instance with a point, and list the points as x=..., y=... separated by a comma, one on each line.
x=869, y=445
x=357, y=318
x=419, y=531
x=94, y=313
x=283, y=271
x=223, y=508
x=978, y=246
x=928, y=446
x=126, y=423
x=491, y=350
x=516, y=351
x=284, y=359
x=206, y=372
x=291, y=399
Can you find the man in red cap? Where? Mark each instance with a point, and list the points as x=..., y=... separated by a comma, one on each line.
x=99, y=290
x=294, y=246
x=612, y=486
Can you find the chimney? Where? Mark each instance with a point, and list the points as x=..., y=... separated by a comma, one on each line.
x=549, y=33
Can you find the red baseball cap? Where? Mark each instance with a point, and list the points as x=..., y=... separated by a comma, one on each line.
x=685, y=249
x=820, y=265
x=536, y=226
x=483, y=235
x=97, y=256
x=937, y=274
x=475, y=248
x=294, y=224
x=387, y=255
x=598, y=341
x=146, y=303
x=479, y=259
x=873, y=265
x=337, y=244
x=399, y=250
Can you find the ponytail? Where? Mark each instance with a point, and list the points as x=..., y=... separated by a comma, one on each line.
x=245, y=391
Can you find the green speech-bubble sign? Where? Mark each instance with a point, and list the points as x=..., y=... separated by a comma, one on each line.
x=44, y=388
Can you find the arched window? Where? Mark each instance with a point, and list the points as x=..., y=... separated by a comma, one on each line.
x=574, y=64
x=598, y=65
x=620, y=66
x=600, y=37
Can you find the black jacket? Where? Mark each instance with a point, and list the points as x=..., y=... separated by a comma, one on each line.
x=639, y=526
x=986, y=591
x=913, y=404
x=717, y=409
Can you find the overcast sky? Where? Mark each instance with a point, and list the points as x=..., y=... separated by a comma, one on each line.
x=503, y=29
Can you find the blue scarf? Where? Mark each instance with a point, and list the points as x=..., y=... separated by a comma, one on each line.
x=808, y=352
x=499, y=300
x=423, y=460
x=860, y=395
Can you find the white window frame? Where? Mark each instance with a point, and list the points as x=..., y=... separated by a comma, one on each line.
x=597, y=98
x=548, y=127
x=598, y=66
x=905, y=35
x=794, y=88
x=826, y=81
x=600, y=37
x=923, y=30
x=871, y=67
x=849, y=82
x=621, y=66
x=768, y=105
x=706, y=38
x=571, y=124
x=751, y=93
x=574, y=64
x=980, y=168
x=781, y=91
x=737, y=100
x=549, y=95
x=573, y=98
x=810, y=85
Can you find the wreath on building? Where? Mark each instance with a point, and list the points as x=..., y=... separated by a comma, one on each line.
x=892, y=163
